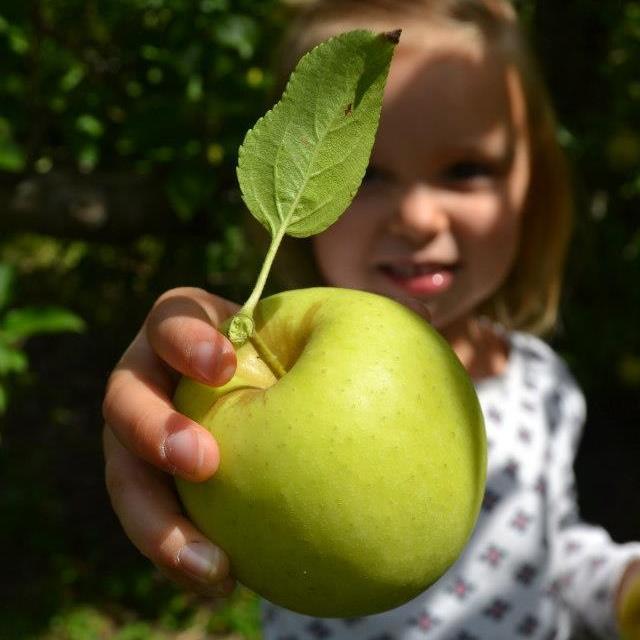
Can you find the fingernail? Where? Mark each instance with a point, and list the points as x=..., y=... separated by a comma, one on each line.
x=212, y=364
x=205, y=361
x=183, y=451
x=201, y=560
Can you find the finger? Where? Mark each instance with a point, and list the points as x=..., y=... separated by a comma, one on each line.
x=181, y=329
x=150, y=514
x=222, y=589
x=138, y=408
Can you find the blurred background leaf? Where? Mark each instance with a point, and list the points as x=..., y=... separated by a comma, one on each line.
x=19, y=324
x=6, y=284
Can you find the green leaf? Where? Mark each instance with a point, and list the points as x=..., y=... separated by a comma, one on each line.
x=88, y=157
x=12, y=360
x=12, y=156
x=7, y=277
x=302, y=163
x=18, y=40
x=90, y=125
x=72, y=78
x=237, y=32
x=19, y=324
x=4, y=399
x=194, y=88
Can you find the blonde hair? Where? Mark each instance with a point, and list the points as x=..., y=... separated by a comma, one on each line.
x=528, y=299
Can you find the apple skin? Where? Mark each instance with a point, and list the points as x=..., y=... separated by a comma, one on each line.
x=349, y=485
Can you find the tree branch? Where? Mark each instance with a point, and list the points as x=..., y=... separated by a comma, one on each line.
x=101, y=206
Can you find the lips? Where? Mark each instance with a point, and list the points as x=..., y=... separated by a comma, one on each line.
x=428, y=278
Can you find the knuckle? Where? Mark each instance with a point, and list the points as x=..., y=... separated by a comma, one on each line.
x=142, y=427
x=175, y=328
x=161, y=547
x=174, y=318
x=167, y=557
x=140, y=431
x=180, y=292
x=151, y=548
x=111, y=400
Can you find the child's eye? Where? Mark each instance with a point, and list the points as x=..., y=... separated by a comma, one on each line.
x=467, y=170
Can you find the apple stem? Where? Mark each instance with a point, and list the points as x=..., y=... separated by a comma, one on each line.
x=267, y=356
x=240, y=327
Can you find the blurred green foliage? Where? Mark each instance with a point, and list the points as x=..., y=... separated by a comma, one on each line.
x=18, y=325
x=155, y=86
x=589, y=52
x=167, y=88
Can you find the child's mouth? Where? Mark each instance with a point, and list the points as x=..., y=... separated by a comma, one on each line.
x=421, y=279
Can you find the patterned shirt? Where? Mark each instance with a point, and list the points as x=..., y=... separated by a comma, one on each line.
x=532, y=569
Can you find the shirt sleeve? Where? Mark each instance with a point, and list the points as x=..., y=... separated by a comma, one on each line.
x=586, y=564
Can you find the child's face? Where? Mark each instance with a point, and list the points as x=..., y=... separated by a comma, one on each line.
x=438, y=215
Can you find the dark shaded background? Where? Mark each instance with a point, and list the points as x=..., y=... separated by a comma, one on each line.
x=119, y=126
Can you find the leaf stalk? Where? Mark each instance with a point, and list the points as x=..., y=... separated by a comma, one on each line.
x=241, y=326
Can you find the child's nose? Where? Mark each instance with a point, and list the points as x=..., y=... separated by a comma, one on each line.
x=420, y=215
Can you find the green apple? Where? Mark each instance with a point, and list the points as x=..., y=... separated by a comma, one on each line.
x=353, y=454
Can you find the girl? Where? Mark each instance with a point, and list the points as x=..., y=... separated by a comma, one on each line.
x=466, y=208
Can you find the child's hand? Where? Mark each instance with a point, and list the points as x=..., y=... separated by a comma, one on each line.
x=146, y=439
x=628, y=603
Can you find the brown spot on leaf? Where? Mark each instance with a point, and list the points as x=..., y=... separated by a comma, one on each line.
x=393, y=36
x=349, y=109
